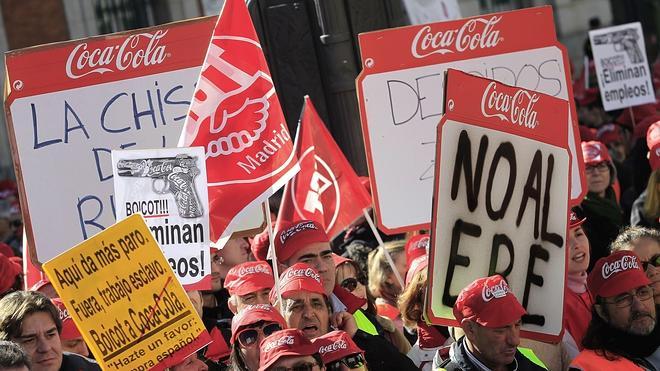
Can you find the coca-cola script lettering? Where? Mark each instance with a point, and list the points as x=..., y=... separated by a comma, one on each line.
x=337, y=345
x=136, y=51
x=308, y=272
x=261, y=268
x=626, y=262
x=516, y=109
x=476, y=33
x=284, y=340
x=498, y=291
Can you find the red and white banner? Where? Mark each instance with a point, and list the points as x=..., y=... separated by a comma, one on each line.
x=326, y=189
x=236, y=116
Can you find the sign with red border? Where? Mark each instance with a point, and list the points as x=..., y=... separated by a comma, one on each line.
x=501, y=199
x=401, y=99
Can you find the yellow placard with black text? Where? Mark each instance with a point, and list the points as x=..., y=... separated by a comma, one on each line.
x=125, y=299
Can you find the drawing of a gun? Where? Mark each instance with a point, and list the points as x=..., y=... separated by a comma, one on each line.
x=623, y=40
x=178, y=174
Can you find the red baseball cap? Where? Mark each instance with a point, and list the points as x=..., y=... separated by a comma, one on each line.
x=289, y=342
x=259, y=245
x=489, y=302
x=253, y=314
x=594, y=152
x=296, y=235
x=69, y=329
x=339, y=260
x=587, y=133
x=616, y=274
x=41, y=283
x=248, y=277
x=417, y=246
x=653, y=142
x=575, y=219
x=299, y=277
x=609, y=133
x=9, y=270
x=417, y=266
x=335, y=345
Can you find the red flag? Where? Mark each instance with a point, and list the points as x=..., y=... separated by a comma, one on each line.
x=236, y=116
x=326, y=189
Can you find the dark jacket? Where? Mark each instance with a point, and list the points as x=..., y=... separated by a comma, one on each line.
x=381, y=354
x=75, y=362
x=637, y=216
x=458, y=360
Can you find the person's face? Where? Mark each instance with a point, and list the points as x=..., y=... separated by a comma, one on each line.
x=342, y=364
x=191, y=363
x=41, y=341
x=637, y=318
x=346, y=274
x=251, y=352
x=578, y=245
x=216, y=271
x=307, y=312
x=400, y=264
x=646, y=249
x=495, y=347
x=77, y=346
x=319, y=256
x=257, y=297
x=235, y=252
x=598, y=177
x=288, y=362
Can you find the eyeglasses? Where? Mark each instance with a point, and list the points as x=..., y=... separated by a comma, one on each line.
x=250, y=336
x=351, y=283
x=654, y=261
x=624, y=301
x=601, y=167
x=353, y=361
x=309, y=366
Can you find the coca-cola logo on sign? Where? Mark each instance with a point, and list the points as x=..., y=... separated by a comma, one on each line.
x=474, y=34
x=140, y=50
x=516, y=109
x=625, y=263
x=498, y=291
x=337, y=345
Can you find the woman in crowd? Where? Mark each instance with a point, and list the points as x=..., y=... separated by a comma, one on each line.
x=248, y=328
x=383, y=283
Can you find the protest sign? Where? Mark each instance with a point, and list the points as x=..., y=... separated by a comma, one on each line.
x=623, y=72
x=124, y=299
x=236, y=116
x=400, y=97
x=501, y=194
x=168, y=187
x=326, y=189
x=426, y=11
x=71, y=103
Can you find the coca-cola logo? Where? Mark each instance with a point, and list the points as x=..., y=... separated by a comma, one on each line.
x=291, y=231
x=139, y=50
x=625, y=263
x=64, y=314
x=284, y=340
x=498, y=291
x=261, y=268
x=474, y=34
x=423, y=243
x=516, y=109
x=337, y=345
x=307, y=272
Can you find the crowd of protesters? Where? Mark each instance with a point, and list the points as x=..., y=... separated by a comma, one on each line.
x=342, y=305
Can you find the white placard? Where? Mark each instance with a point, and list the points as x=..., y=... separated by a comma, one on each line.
x=427, y=11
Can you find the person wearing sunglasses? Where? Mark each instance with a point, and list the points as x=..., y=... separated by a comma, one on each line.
x=249, y=283
x=623, y=330
x=289, y=350
x=249, y=327
x=645, y=242
x=339, y=352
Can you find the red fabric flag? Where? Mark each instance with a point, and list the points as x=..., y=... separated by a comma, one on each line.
x=236, y=116
x=326, y=189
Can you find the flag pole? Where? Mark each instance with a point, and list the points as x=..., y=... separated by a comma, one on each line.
x=272, y=255
x=380, y=245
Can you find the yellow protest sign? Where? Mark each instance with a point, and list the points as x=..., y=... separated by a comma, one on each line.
x=125, y=299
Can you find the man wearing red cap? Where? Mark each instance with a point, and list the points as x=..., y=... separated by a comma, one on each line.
x=339, y=352
x=248, y=284
x=289, y=349
x=489, y=314
x=623, y=325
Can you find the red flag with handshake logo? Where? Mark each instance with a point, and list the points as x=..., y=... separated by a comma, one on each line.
x=236, y=116
x=326, y=189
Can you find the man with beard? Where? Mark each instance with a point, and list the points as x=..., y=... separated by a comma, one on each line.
x=623, y=327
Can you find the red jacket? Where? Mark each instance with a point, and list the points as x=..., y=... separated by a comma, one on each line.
x=577, y=314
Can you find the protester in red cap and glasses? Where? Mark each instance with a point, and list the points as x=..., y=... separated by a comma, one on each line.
x=646, y=208
x=339, y=352
x=623, y=325
x=249, y=327
x=600, y=205
x=289, y=350
x=248, y=284
x=306, y=306
x=490, y=315
x=71, y=338
x=578, y=300
x=645, y=243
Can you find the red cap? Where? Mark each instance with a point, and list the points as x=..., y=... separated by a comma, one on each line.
x=489, y=302
x=609, y=133
x=587, y=133
x=69, y=329
x=296, y=235
x=299, y=277
x=248, y=277
x=653, y=142
x=289, y=342
x=218, y=348
x=41, y=283
x=335, y=345
x=9, y=270
x=259, y=245
x=575, y=220
x=594, y=152
x=253, y=314
x=339, y=260
x=417, y=246
x=417, y=266
x=616, y=274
